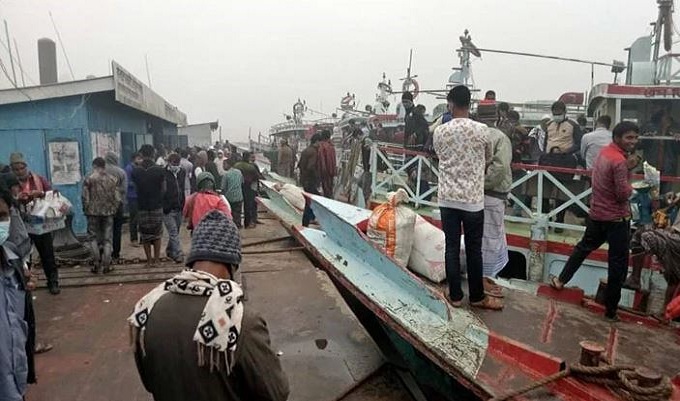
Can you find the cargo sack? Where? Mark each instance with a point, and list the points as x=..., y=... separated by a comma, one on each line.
x=391, y=227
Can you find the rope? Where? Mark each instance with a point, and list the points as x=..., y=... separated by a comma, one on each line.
x=620, y=379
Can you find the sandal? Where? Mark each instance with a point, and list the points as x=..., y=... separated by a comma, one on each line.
x=42, y=347
x=456, y=304
x=555, y=283
x=490, y=303
x=492, y=289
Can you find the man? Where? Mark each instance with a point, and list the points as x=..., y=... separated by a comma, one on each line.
x=251, y=179
x=582, y=121
x=406, y=106
x=135, y=161
x=489, y=98
x=200, y=161
x=562, y=144
x=219, y=162
x=101, y=201
x=17, y=322
x=659, y=153
x=149, y=178
x=205, y=200
x=173, y=204
x=34, y=186
x=113, y=169
x=463, y=150
x=188, y=171
x=286, y=159
x=194, y=337
x=210, y=166
x=497, y=183
x=232, y=189
x=326, y=163
x=593, y=142
x=416, y=129
x=609, y=215
x=309, y=175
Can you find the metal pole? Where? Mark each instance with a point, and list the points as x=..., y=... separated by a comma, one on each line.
x=16, y=49
x=11, y=59
x=148, y=75
x=574, y=60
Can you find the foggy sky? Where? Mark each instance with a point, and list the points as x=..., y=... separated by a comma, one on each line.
x=246, y=62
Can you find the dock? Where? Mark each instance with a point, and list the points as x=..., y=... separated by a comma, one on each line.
x=325, y=352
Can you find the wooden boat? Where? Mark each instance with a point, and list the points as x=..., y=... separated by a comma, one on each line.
x=463, y=354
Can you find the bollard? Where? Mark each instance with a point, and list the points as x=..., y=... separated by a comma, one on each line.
x=591, y=353
x=647, y=377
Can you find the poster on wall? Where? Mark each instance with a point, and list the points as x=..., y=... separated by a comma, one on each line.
x=64, y=163
x=103, y=142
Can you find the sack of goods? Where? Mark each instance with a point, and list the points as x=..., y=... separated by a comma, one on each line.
x=427, y=255
x=392, y=225
x=293, y=195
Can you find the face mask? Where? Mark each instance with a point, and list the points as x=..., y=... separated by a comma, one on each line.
x=559, y=118
x=4, y=231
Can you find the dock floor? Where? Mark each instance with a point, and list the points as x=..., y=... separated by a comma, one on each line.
x=326, y=354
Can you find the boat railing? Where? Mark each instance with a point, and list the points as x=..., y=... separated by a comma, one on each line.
x=532, y=189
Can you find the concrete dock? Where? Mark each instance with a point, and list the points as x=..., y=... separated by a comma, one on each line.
x=325, y=352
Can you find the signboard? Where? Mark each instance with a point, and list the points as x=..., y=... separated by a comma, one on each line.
x=132, y=92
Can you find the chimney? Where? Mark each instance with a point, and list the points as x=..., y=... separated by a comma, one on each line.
x=47, y=61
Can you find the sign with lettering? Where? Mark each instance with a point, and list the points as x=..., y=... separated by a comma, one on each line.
x=132, y=92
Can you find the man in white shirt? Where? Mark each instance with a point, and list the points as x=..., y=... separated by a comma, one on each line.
x=464, y=150
x=593, y=142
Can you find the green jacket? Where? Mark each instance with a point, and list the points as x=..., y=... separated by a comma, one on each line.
x=498, y=178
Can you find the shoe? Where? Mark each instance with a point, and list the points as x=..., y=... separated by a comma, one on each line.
x=54, y=289
x=178, y=260
x=612, y=319
x=42, y=348
x=559, y=230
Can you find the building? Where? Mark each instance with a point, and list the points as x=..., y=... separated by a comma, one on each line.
x=60, y=128
x=199, y=134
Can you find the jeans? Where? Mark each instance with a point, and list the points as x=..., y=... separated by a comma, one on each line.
x=134, y=227
x=100, y=230
x=616, y=234
x=308, y=214
x=473, y=225
x=117, y=232
x=43, y=243
x=249, y=206
x=236, y=212
x=173, y=222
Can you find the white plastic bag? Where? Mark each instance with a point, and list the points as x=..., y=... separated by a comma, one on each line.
x=391, y=226
x=428, y=252
x=293, y=195
x=53, y=205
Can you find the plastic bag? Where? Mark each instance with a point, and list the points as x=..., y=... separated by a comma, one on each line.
x=391, y=226
x=52, y=205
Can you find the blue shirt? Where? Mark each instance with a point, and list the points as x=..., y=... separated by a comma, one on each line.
x=13, y=362
x=232, y=180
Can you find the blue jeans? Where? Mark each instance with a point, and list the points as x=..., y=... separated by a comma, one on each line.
x=173, y=222
x=473, y=225
x=100, y=231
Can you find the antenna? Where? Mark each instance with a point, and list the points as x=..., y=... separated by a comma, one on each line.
x=11, y=59
x=21, y=69
x=148, y=75
x=61, y=44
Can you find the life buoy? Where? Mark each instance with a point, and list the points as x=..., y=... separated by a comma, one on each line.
x=406, y=87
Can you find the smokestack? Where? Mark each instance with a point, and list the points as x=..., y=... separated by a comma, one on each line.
x=47, y=61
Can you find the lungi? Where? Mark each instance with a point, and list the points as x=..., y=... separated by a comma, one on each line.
x=494, y=242
x=150, y=225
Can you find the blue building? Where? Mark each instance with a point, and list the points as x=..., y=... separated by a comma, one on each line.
x=60, y=128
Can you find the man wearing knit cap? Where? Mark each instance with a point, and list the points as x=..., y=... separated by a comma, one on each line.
x=226, y=356
x=34, y=186
x=205, y=200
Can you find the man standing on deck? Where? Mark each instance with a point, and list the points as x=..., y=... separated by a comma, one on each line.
x=173, y=205
x=232, y=189
x=286, y=159
x=309, y=175
x=593, y=142
x=326, y=163
x=497, y=183
x=149, y=179
x=188, y=168
x=463, y=148
x=609, y=215
x=251, y=180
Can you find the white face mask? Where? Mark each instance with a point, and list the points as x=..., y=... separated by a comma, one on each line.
x=4, y=231
x=558, y=118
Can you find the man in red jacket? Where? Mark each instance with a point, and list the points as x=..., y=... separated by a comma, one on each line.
x=609, y=215
x=326, y=163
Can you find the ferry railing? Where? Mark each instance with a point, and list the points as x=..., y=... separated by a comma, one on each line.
x=397, y=163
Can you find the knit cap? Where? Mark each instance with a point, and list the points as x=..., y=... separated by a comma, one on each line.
x=17, y=157
x=205, y=180
x=215, y=239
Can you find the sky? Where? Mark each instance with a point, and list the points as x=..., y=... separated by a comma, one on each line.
x=245, y=63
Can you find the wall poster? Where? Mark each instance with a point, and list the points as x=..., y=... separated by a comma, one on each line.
x=64, y=163
x=103, y=142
